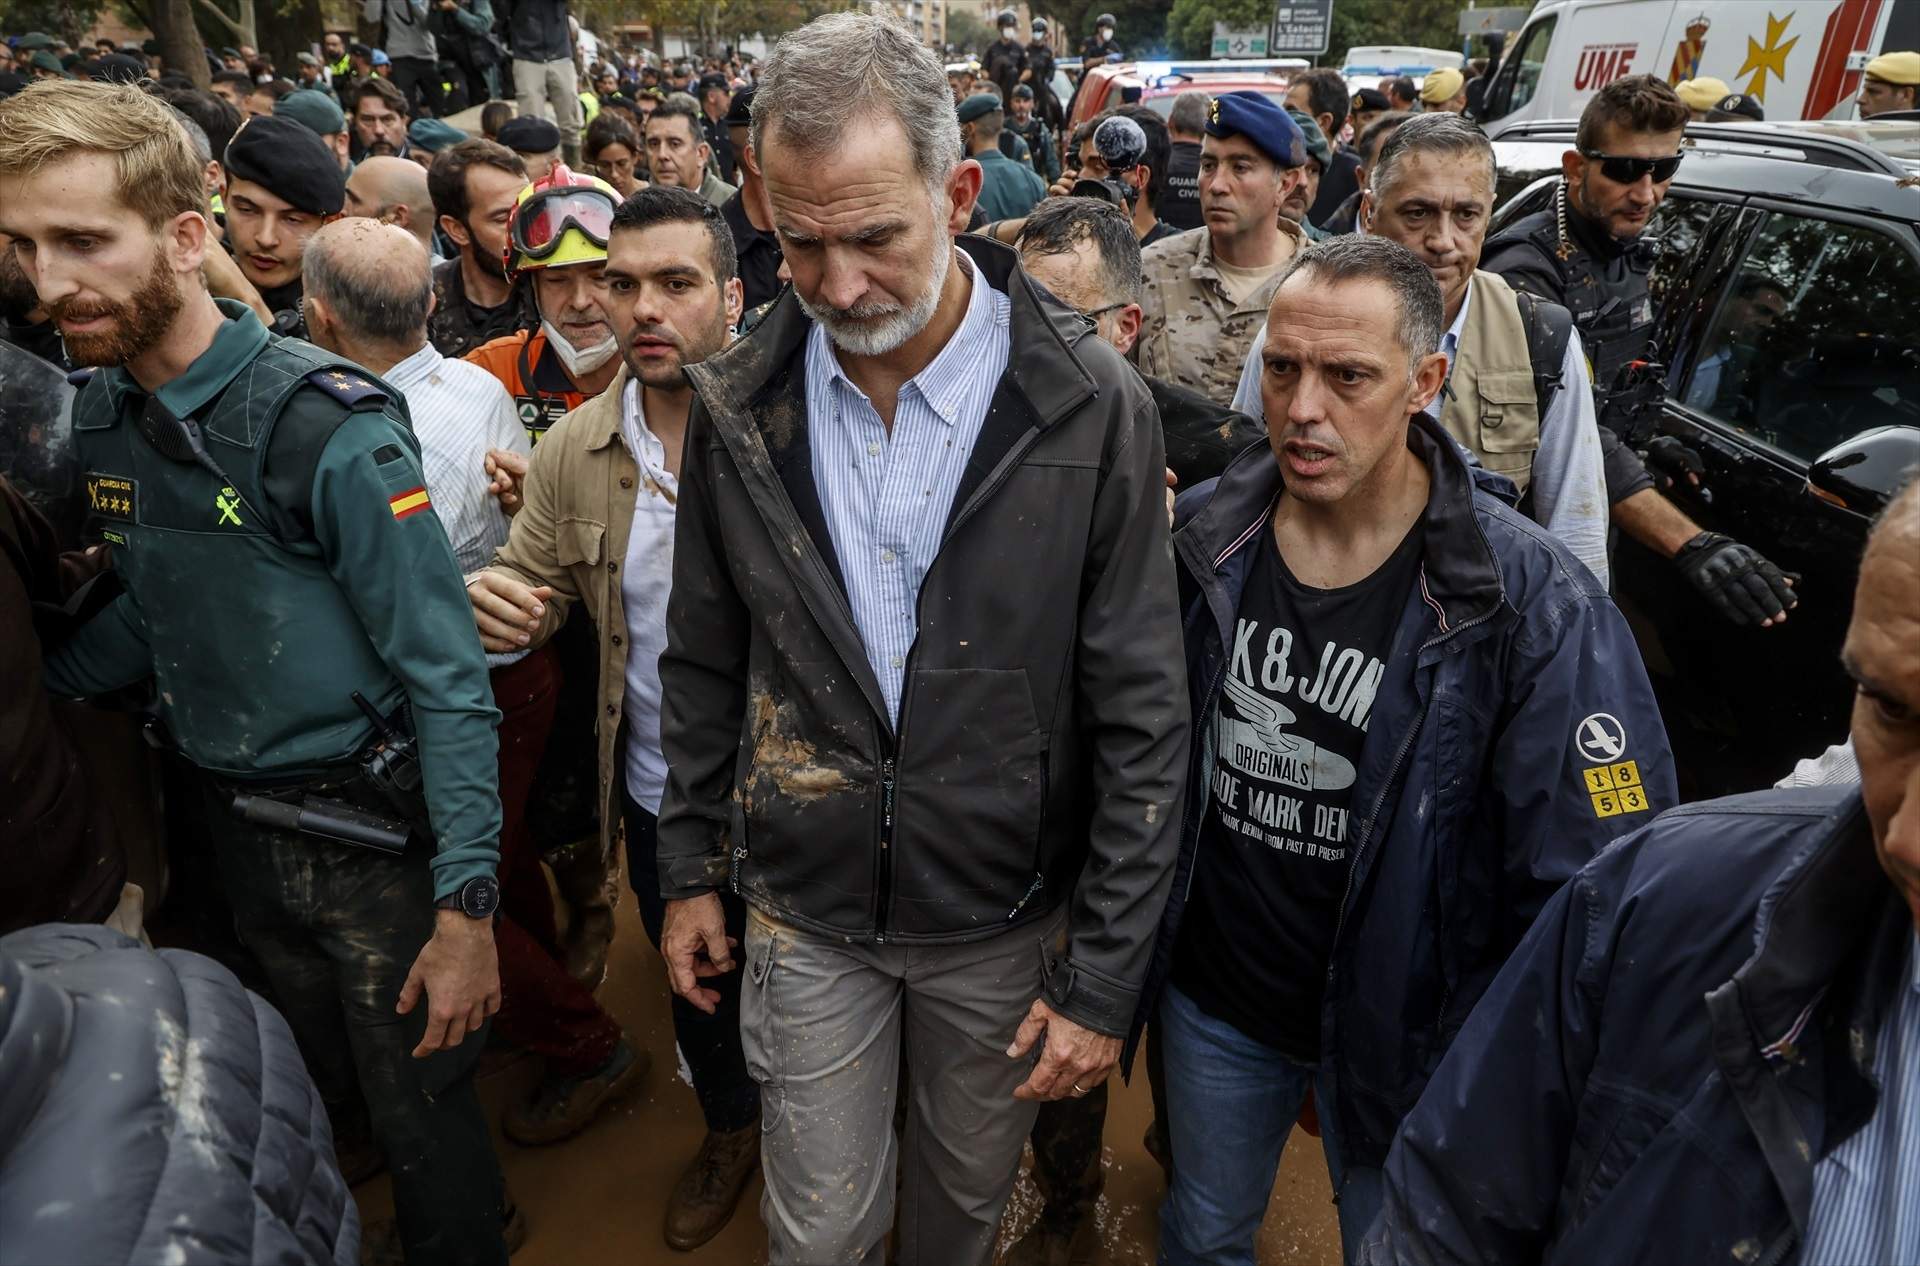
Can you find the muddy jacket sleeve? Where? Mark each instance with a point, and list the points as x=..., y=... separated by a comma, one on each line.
x=386, y=548
x=1132, y=698
x=1471, y=1179
x=703, y=675
x=1582, y=755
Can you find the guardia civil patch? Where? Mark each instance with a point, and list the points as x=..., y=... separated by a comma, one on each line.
x=113, y=496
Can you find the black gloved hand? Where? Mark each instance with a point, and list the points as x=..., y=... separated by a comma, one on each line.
x=1673, y=462
x=1746, y=588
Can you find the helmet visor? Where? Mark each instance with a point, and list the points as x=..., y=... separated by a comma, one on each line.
x=545, y=217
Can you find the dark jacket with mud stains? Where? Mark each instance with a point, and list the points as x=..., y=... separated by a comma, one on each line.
x=1690, y=1026
x=1513, y=735
x=152, y=1110
x=1043, y=716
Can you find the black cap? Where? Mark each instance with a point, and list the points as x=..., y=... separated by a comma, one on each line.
x=357, y=49
x=1023, y=92
x=289, y=161
x=740, y=109
x=1737, y=107
x=1369, y=99
x=118, y=68
x=709, y=82
x=529, y=134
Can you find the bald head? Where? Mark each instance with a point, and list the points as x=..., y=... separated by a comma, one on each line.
x=393, y=191
x=1882, y=656
x=368, y=288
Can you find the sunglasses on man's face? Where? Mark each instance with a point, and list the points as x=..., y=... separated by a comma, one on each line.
x=1623, y=169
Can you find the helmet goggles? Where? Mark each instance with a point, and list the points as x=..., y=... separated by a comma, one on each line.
x=542, y=221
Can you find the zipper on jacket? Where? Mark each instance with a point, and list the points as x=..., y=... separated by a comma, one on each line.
x=884, y=897
x=886, y=851
x=733, y=867
x=1393, y=773
x=1781, y=1247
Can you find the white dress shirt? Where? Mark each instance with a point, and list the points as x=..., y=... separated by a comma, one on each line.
x=886, y=495
x=460, y=411
x=645, y=582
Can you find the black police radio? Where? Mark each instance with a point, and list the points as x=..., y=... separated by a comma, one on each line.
x=1121, y=145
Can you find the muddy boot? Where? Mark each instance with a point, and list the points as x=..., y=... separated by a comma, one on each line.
x=380, y=1241
x=707, y=1193
x=585, y=879
x=1049, y=1242
x=561, y=1107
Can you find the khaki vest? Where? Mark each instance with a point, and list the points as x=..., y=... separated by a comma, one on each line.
x=1493, y=410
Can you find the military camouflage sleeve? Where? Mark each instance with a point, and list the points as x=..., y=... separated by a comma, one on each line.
x=388, y=551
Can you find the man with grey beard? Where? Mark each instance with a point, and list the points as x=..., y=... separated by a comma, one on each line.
x=922, y=705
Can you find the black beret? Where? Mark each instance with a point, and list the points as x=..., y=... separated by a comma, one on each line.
x=289, y=161
x=740, y=109
x=1371, y=99
x=529, y=134
x=120, y=69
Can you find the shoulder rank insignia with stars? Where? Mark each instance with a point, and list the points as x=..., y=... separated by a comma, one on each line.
x=351, y=388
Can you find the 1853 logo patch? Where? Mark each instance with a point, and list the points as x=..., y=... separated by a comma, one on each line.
x=113, y=496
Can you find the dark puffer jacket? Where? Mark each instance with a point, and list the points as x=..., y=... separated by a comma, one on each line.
x=152, y=1110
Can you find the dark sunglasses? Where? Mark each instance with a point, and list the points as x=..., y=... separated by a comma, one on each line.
x=1624, y=170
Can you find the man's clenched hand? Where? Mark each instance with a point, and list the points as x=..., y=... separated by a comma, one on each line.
x=694, y=941
x=505, y=611
x=506, y=475
x=1073, y=1061
x=459, y=971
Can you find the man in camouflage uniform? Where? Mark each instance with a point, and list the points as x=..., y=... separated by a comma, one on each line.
x=1207, y=289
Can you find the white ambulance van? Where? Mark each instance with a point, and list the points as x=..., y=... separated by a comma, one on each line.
x=1801, y=59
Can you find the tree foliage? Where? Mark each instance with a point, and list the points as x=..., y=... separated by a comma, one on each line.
x=68, y=19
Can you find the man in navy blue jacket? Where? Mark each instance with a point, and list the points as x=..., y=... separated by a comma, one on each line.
x=1416, y=715
x=1708, y=1047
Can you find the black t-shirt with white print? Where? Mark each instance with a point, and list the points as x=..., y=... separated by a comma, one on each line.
x=1272, y=863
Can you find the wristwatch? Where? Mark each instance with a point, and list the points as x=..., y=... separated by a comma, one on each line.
x=477, y=898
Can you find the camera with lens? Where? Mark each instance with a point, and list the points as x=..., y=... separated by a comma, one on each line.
x=1122, y=145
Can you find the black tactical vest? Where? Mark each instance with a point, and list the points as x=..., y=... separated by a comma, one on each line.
x=1610, y=301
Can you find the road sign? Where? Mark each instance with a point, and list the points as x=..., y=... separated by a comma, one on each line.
x=1508, y=18
x=1236, y=42
x=1301, y=26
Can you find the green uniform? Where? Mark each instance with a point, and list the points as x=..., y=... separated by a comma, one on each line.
x=1008, y=189
x=313, y=566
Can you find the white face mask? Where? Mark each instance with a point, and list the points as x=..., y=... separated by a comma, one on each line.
x=580, y=360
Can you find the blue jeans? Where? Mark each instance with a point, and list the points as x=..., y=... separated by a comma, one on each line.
x=1231, y=1102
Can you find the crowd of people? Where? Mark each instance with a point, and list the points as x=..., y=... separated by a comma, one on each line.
x=947, y=568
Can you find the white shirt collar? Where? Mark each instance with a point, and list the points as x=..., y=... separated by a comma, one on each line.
x=414, y=368
x=1451, y=339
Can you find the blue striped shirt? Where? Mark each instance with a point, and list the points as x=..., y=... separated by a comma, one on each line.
x=886, y=497
x=1866, y=1193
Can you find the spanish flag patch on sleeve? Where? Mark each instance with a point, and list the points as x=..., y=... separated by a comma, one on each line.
x=412, y=501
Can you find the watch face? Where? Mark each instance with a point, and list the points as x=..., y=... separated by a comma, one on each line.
x=480, y=898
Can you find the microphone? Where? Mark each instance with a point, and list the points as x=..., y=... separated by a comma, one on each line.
x=1121, y=143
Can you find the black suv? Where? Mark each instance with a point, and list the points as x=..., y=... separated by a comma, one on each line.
x=1787, y=279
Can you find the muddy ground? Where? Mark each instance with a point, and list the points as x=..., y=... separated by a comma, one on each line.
x=600, y=1197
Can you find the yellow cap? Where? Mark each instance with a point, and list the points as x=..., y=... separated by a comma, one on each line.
x=1896, y=68
x=1703, y=93
x=1442, y=86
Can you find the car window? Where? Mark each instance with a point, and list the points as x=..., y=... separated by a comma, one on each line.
x=1675, y=230
x=1531, y=61
x=1162, y=105
x=1811, y=345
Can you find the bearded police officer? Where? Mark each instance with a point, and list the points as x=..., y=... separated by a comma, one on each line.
x=1587, y=252
x=293, y=598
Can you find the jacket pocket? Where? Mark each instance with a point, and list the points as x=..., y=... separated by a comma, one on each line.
x=970, y=810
